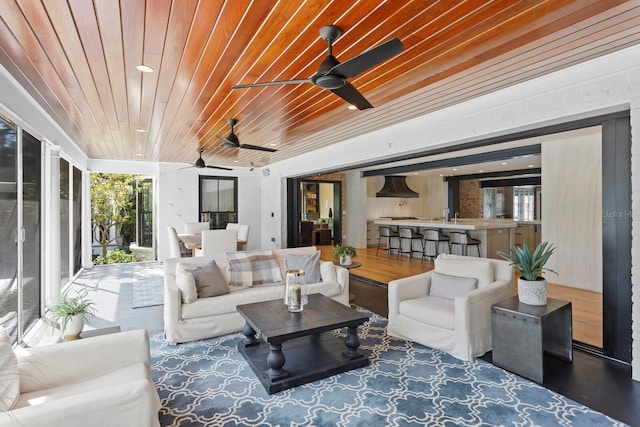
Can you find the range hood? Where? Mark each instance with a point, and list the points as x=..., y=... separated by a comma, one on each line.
x=396, y=186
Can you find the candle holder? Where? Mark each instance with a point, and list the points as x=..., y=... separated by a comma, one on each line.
x=295, y=291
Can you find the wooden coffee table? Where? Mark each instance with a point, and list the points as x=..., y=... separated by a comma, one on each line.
x=310, y=354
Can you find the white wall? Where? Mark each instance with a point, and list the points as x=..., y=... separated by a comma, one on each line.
x=607, y=84
x=572, y=207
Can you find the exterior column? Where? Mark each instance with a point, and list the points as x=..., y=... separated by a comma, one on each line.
x=52, y=235
x=87, y=231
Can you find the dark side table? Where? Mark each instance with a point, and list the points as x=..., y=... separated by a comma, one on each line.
x=354, y=264
x=522, y=334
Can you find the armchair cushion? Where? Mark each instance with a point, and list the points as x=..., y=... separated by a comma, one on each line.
x=310, y=264
x=449, y=287
x=438, y=312
x=9, y=379
x=480, y=269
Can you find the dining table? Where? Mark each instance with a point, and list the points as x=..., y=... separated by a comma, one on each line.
x=191, y=241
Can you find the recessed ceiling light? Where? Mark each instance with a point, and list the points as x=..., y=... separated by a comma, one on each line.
x=273, y=144
x=441, y=174
x=415, y=173
x=503, y=163
x=480, y=170
x=141, y=130
x=139, y=154
x=352, y=107
x=236, y=161
x=454, y=169
x=144, y=68
x=530, y=166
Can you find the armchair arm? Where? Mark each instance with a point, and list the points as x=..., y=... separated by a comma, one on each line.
x=68, y=362
x=473, y=310
x=342, y=275
x=407, y=288
x=131, y=404
x=172, y=301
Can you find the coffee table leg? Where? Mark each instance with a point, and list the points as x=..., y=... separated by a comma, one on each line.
x=353, y=342
x=249, y=336
x=275, y=362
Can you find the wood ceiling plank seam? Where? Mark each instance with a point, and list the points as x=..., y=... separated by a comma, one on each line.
x=226, y=60
x=60, y=99
x=20, y=74
x=62, y=23
x=85, y=19
x=108, y=18
x=195, y=44
x=169, y=72
x=132, y=21
x=157, y=24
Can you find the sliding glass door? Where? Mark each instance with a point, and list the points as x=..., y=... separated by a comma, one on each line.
x=20, y=209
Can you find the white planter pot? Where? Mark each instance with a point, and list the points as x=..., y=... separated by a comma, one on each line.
x=345, y=260
x=74, y=328
x=532, y=292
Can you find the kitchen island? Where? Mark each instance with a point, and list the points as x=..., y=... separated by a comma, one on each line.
x=494, y=234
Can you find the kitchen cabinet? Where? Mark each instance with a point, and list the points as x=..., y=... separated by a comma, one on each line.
x=531, y=233
x=372, y=233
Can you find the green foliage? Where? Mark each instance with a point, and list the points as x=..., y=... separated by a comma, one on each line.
x=115, y=256
x=68, y=306
x=339, y=251
x=530, y=265
x=111, y=204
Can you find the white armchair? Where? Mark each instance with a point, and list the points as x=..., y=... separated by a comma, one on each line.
x=458, y=323
x=99, y=381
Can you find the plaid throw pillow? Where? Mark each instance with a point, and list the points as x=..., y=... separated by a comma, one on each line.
x=248, y=268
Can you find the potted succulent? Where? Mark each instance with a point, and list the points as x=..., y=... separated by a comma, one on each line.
x=344, y=254
x=532, y=287
x=71, y=312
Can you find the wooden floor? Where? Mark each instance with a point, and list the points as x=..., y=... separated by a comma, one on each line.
x=586, y=305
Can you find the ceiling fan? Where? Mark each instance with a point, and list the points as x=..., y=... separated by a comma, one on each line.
x=333, y=75
x=199, y=164
x=232, y=141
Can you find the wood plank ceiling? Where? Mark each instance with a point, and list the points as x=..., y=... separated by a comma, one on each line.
x=78, y=58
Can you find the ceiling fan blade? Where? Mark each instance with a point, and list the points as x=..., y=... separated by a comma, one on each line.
x=275, y=83
x=219, y=167
x=257, y=147
x=227, y=143
x=352, y=96
x=356, y=65
x=186, y=167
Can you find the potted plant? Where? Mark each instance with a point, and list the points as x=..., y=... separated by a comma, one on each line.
x=345, y=253
x=532, y=287
x=71, y=312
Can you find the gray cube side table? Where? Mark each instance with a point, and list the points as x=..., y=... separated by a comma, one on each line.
x=522, y=334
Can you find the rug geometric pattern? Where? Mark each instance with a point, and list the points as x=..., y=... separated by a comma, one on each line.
x=208, y=383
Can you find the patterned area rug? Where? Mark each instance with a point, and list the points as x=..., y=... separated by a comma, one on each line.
x=208, y=383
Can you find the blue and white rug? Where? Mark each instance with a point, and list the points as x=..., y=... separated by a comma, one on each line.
x=208, y=383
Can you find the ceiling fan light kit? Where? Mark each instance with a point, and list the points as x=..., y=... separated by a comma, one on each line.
x=333, y=75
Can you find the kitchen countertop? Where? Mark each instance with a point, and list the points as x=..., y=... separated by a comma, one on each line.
x=461, y=224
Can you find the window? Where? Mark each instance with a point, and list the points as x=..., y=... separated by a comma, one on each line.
x=218, y=200
x=144, y=229
x=523, y=203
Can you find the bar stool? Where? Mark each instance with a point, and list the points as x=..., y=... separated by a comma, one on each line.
x=410, y=235
x=437, y=238
x=390, y=235
x=464, y=240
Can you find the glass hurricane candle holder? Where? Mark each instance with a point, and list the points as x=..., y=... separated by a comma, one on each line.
x=295, y=291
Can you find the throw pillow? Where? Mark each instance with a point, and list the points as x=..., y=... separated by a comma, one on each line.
x=248, y=268
x=186, y=283
x=450, y=287
x=9, y=380
x=265, y=269
x=481, y=269
x=310, y=264
x=240, y=274
x=328, y=272
x=209, y=280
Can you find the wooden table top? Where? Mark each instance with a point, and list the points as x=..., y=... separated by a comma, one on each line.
x=276, y=324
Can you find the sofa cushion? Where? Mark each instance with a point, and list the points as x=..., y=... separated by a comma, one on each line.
x=9, y=379
x=123, y=375
x=481, y=269
x=209, y=281
x=187, y=285
x=430, y=310
x=449, y=287
x=310, y=264
x=328, y=271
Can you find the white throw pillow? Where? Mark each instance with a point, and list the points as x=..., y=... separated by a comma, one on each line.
x=480, y=269
x=450, y=287
x=328, y=271
x=186, y=283
x=9, y=380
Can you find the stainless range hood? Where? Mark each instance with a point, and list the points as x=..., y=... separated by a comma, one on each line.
x=396, y=186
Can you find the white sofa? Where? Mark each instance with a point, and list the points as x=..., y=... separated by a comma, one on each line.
x=460, y=325
x=215, y=316
x=99, y=381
